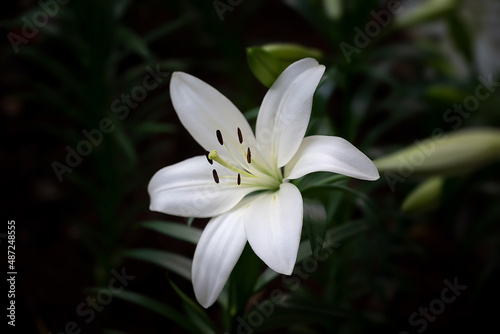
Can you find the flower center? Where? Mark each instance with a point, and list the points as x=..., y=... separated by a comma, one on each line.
x=242, y=164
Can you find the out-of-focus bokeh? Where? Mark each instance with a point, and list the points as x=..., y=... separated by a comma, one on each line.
x=86, y=120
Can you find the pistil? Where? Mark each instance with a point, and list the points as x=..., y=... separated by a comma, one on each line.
x=214, y=156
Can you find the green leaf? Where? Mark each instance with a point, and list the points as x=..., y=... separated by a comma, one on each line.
x=176, y=263
x=120, y=7
x=333, y=237
x=302, y=310
x=176, y=230
x=143, y=130
x=197, y=313
x=133, y=42
x=56, y=68
x=314, y=221
x=460, y=35
x=124, y=143
x=169, y=28
x=157, y=307
x=241, y=285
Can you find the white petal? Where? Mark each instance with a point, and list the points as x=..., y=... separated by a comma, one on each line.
x=203, y=110
x=273, y=224
x=188, y=189
x=218, y=250
x=285, y=111
x=330, y=154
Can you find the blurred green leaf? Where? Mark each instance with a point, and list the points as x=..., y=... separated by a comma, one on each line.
x=200, y=317
x=120, y=7
x=293, y=310
x=176, y=263
x=124, y=143
x=133, y=42
x=157, y=307
x=460, y=35
x=332, y=239
x=445, y=93
x=314, y=221
x=175, y=230
x=55, y=68
x=241, y=284
x=169, y=28
x=145, y=129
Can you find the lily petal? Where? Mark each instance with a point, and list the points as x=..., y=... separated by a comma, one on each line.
x=285, y=111
x=330, y=154
x=216, y=254
x=273, y=224
x=203, y=110
x=188, y=189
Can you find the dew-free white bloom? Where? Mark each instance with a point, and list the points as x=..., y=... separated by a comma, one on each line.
x=242, y=181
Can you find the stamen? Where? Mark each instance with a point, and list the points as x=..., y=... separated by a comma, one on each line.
x=219, y=137
x=240, y=136
x=209, y=160
x=249, y=156
x=216, y=177
x=239, y=179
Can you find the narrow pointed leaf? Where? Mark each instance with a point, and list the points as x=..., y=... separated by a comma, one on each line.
x=332, y=239
x=176, y=263
x=175, y=230
x=157, y=307
x=197, y=312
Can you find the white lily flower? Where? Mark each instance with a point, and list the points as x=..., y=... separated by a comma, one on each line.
x=242, y=182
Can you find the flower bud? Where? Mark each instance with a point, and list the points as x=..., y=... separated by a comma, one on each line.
x=333, y=9
x=424, y=12
x=269, y=61
x=457, y=153
x=425, y=197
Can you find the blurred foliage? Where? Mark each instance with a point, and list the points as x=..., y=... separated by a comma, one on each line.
x=395, y=74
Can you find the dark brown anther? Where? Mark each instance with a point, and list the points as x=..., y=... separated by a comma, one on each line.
x=219, y=137
x=249, y=156
x=239, y=179
x=216, y=177
x=209, y=160
x=240, y=136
